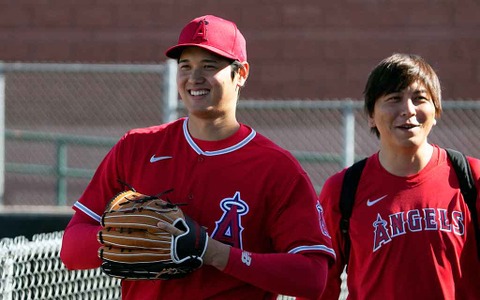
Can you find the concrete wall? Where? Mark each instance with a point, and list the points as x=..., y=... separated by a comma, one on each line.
x=297, y=49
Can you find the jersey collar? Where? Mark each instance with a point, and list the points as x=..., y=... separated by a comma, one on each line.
x=199, y=151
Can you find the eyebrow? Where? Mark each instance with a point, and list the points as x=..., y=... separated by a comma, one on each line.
x=417, y=91
x=203, y=60
x=421, y=91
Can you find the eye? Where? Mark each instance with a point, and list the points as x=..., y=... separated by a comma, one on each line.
x=184, y=67
x=393, y=98
x=422, y=98
x=210, y=67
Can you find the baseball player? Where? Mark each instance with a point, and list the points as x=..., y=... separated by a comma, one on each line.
x=265, y=225
x=411, y=232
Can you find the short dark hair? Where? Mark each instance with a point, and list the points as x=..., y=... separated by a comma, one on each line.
x=236, y=65
x=394, y=74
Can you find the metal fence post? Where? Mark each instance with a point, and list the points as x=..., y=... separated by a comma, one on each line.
x=170, y=99
x=2, y=132
x=349, y=133
x=61, y=170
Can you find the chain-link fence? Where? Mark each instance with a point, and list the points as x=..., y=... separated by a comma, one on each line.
x=61, y=119
x=52, y=111
x=32, y=270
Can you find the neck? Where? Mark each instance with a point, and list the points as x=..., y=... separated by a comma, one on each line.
x=212, y=130
x=408, y=162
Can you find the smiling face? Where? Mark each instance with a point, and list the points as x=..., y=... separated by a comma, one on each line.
x=395, y=74
x=205, y=83
x=405, y=118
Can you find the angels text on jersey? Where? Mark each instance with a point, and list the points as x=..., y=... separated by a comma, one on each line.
x=386, y=228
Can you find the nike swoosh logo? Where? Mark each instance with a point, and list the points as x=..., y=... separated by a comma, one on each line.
x=158, y=158
x=370, y=203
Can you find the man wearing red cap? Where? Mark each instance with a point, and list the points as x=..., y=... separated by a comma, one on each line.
x=265, y=225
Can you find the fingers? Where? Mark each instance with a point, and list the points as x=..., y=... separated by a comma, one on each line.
x=163, y=225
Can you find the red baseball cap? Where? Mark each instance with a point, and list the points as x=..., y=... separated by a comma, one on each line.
x=212, y=33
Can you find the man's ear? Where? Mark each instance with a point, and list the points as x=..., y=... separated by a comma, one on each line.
x=244, y=71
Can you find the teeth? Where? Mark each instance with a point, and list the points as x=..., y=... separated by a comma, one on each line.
x=198, y=93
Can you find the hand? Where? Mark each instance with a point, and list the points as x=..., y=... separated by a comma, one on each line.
x=165, y=226
x=216, y=254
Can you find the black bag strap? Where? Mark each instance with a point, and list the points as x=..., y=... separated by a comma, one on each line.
x=467, y=186
x=347, y=198
x=352, y=177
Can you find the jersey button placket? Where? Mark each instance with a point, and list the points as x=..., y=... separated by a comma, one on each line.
x=200, y=159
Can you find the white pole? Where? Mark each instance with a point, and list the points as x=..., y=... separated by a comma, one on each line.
x=2, y=132
x=349, y=134
x=170, y=97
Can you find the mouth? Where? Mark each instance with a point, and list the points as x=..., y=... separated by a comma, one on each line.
x=408, y=126
x=198, y=92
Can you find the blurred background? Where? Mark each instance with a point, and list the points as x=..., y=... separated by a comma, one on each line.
x=298, y=50
x=75, y=75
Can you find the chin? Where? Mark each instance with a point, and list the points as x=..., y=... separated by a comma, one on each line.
x=413, y=144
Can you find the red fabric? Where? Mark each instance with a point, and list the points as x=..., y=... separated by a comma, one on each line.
x=80, y=246
x=282, y=273
x=417, y=242
x=245, y=190
x=215, y=34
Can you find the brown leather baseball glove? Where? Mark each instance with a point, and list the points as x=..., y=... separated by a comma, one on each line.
x=133, y=247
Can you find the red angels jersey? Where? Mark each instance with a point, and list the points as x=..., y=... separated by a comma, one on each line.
x=248, y=193
x=411, y=237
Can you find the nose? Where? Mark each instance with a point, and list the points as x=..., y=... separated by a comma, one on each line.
x=408, y=109
x=196, y=76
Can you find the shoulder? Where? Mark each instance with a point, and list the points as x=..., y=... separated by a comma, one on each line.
x=335, y=181
x=271, y=151
x=475, y=166
x=331, y=189
x=337, y=178
x=474, y=162
x=167, y=129
x=330, y=193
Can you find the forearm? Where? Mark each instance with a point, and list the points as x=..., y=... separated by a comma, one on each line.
x=282, y=273
x=333, y=286
x=80, y=246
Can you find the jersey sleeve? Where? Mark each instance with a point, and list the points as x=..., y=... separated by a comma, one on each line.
x=105, y=183
x=79, y=245
x=297, y=221
x=281, y=273
x=329, y=199
x=79, y=249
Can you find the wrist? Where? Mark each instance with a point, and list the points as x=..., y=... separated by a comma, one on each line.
x=217, y=254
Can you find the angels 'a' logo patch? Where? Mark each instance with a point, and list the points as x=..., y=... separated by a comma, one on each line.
x=229, y=228
x=200, y=34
